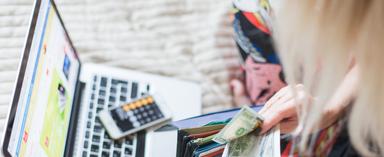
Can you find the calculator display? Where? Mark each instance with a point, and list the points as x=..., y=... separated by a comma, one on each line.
x=137, y=113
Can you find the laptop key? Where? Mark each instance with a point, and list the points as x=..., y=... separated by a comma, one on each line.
x=128, y=141
x=105, y=154
x=94, y=148
x=87, y=134
x=124, y=89
x=106, y=145
x=88, y=124
x=113, y=90
x=123, y=98
x=95, y=139
x=85, y=144
x=97, y=128
x=128, y=151
x=84, y=154
x=98, y=109
x=103, y=82
x=114, y=82
x=148, y=88
x=100, y=101
x=93, y=155
x=112, y=99
x=106, y=136
x=97, y=121
x=91, y=105
x=116, y=154
x=123, y=82
x=134, y=89
x=117, y=144
x=90, y=115
x=102, y=93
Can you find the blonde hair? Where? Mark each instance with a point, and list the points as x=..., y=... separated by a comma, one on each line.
x=316, y=39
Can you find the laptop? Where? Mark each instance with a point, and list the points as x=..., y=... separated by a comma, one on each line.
x=56, y=98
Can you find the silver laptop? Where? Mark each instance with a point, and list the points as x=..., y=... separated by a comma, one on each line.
x=56, y=98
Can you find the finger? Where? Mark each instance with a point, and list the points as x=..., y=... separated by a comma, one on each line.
x=275, y=97
x=288, y=126
x=276, y=114
x=273, y=100
x=285, y=98
x=279, y=102
x=270, y=120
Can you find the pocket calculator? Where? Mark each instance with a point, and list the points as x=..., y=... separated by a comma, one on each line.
x=134, y=116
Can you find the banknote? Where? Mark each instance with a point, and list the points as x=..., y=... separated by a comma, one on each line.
x=244, y=122
x=252, y=145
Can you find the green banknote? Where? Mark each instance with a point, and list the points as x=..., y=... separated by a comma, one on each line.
x=244, y=122
x=251, y=145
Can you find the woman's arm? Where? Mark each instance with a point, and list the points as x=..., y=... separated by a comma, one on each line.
x=281, y=108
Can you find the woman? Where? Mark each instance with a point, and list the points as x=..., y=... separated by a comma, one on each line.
x=331, y=51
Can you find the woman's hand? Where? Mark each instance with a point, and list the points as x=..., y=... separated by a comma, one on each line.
x=281, y=109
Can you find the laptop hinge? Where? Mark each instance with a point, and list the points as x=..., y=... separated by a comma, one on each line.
x=69, y=147
x=140, y=146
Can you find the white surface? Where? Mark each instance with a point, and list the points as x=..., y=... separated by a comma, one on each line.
x=186, y=39
x=164, y=145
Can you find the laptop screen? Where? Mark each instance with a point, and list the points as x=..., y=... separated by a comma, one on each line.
x=43, y=111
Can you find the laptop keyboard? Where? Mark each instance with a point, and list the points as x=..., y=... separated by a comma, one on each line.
x=107, y=93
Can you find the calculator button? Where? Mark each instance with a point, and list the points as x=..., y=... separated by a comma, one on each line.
x=133, y=119
x=130, y=113
x=136, y=124
x=126, y=108
x=136, y=104
x=153, y=117
x=144, y=101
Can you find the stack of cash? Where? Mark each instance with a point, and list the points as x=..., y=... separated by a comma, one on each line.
x=242, y=140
